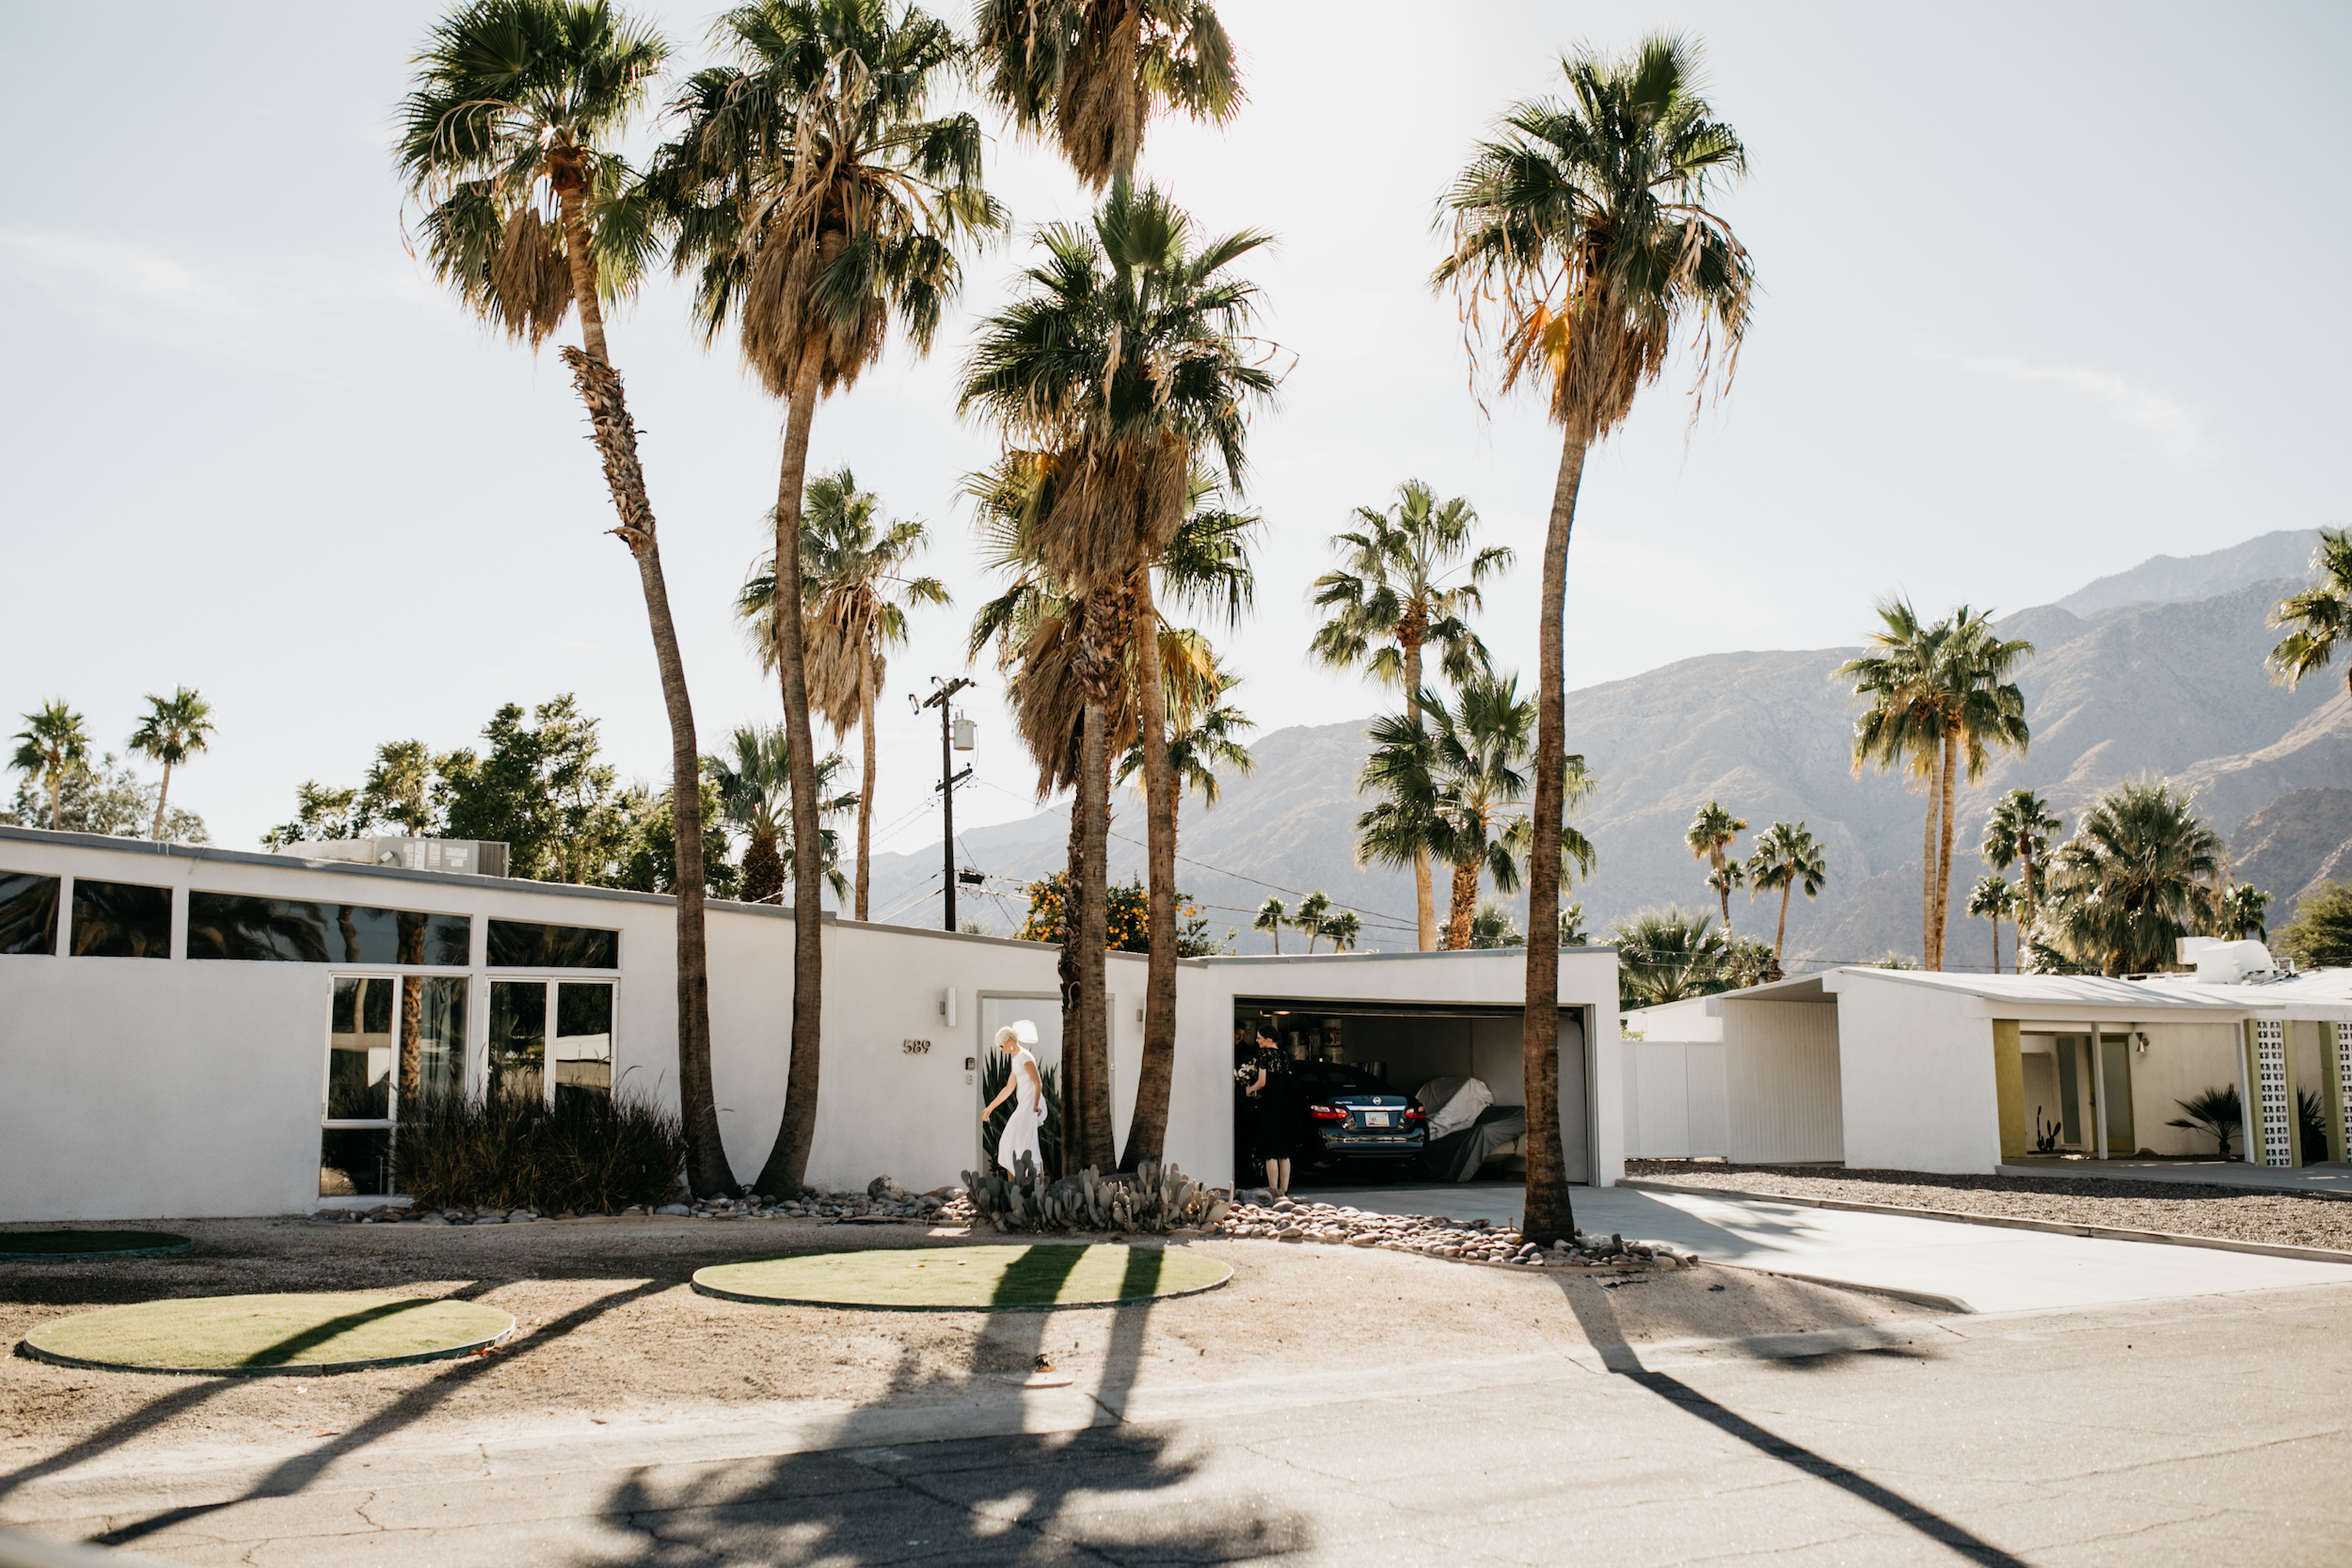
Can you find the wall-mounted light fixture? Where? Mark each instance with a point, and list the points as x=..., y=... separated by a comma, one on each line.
x=2139, y=1041
x=948, y=1005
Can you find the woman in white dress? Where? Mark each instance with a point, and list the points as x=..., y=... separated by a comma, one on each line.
x=1028, y=1106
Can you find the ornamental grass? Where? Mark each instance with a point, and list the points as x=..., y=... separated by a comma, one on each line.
x=587, y=1153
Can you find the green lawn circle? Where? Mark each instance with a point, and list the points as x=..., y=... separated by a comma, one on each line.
x=269, y=1335
x=68, y=1246
x=1043, y=1277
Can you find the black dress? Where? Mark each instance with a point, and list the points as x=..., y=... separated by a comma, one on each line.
x=1273, y=1130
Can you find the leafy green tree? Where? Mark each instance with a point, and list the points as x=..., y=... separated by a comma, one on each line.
x=1585, y=226
x=1667, y=955
x=1710, y=835
x=817, y=198
x=174, y=729
x=1991, y=899
x=510, y=141
x=50, y=748
x=102, y=796
x=1129, y=930
x=1785, y=857
x=2134, y=878
x=2017, y=832
x=2320, y=935
x=1389, y=598
x=1126, y=365
x=1090, y=74
x=2244, y=909
x=2320, y=615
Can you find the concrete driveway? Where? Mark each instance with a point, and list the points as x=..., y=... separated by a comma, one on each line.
x=1986, y=1267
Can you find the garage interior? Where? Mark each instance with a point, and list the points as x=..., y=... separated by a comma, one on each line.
x=1410, y=1046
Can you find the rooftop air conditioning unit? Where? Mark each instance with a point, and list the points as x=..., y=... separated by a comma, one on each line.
x=465, y=856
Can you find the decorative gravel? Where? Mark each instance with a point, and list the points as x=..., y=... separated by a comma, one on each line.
x=2184, y=1209
x=1286, y=1219
x=883, y=1200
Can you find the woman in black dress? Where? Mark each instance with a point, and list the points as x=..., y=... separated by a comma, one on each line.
x=1269, y=1090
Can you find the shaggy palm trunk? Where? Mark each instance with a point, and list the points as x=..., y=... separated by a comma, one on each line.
x=1425, y=898
x=1548, y=1216
x=57, y=797
x=1943, y=849
x=763, y=870
x=163, y=793
x=865, y=777
x=1146, y=1129
x=599, y=387
x=1089, y=1116
x=1067, y=965
x=786, y=1170
x=1463, y=907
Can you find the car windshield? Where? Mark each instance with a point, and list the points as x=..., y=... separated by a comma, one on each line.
x=1331, y=1078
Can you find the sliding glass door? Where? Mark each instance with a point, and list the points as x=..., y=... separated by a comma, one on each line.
x=394, y=1043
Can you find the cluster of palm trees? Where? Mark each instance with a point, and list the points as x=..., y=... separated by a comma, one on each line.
x=53, y=746
x=1314, y=916
x=1667, y=955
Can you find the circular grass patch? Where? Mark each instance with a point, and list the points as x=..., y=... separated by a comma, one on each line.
x=1039, y=1278
x=264, y=1336
x=66, y=1246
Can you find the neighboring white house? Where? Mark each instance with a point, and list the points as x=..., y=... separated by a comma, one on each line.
x=1907, y=1070
x=190, y=1032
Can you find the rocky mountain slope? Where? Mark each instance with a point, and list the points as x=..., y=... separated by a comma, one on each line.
x=2139, y=686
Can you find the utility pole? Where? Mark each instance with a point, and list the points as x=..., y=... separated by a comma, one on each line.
x=955, y=734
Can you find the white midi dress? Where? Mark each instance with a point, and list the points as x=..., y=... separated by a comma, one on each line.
x=1029, y=1115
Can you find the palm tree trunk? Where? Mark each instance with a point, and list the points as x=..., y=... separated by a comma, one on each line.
x=1089, y=1127
x=600, y=386
x=1463, y=907
x=1927, y=880
x=1548, y=1216
x=1424, y=899
x=57, y=796
x=1780, y=934
x=1067, y=965
x=1945, y=804
x=786, y=1170
x=163, y=793
x=865, y=778
x=1146, y=1129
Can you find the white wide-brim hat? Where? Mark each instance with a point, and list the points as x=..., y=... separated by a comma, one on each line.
x=1024, y=1030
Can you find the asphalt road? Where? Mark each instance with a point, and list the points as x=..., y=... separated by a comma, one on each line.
x=2197, y=1431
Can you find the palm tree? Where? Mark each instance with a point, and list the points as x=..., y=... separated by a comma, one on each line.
x=1386, y=602
x=2134, y=879
x=175, y=729
x=1343, y=930
x=1785, y=857
x=1667, y=955
x=1311, y=913
x=1206, y=741
x=1098, y=70
x=50, y=748
x=1710, y=833
x=509, y=139
x=1990, y=899
x=816, y=199
x=855, y=594
x=1725, y=880
x=2320, y=615
x=1124, y=371
x=2017, y=832
x=2244, y=913
x=1479, y=748
x=752, y=785
x=1584, y=225
x=1271, y=917
x=1938, y=694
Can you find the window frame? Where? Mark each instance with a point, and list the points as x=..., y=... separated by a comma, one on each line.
x=479, y=1084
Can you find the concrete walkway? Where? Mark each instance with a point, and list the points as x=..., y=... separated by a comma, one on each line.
x=2335, y=1178
x=1990, y=1270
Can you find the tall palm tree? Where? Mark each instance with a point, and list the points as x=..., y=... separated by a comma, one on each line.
x=1983, y=709
x=1092, y=73
x=1785, y=857
x=855, y=594
x=753, y=786
x=816, y=199
x=1585, y=226
x=1343, y=930
x=50, y=748
x=1479, y=749
x=1990, y=899
x=1124, y=369
x=1271, y=917
x=1723, y=881
x=2017, y=832
x=2135, y=877
x=1388, y=599
x=1710, y=833
x=510, y=138
x=2320, y=615
x=175, y=729
x=2245, y=914
x=1667, y=955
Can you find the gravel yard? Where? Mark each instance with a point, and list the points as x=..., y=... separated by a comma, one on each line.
x=2236, y=1213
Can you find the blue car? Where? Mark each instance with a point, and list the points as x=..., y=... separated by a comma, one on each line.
x=1347, y=1114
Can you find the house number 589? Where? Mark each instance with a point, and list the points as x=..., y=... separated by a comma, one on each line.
x=914, y=1048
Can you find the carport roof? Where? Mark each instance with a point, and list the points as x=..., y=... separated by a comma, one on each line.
x=2326, y=994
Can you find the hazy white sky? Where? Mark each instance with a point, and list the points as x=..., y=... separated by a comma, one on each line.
x=2048, y=290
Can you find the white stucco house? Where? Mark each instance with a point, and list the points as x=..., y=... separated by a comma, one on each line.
x=1908, y=1070
x=192, y=1031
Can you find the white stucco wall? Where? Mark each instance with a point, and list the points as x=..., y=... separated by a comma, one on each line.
x=1915, y=1077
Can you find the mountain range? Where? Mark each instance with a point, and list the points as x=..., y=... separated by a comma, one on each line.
x=2155, y=671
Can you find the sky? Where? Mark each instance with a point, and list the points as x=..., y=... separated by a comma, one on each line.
x=2046, y=291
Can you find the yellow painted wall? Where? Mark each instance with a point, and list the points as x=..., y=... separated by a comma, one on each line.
x=2009, y=1084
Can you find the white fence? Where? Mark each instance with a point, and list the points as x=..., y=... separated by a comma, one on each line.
x=1676, y=1103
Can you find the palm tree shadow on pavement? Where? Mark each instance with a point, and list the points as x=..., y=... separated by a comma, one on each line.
x=1598, y=1320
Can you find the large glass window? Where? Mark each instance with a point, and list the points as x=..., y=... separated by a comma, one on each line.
x=526, y=944
x=393, y=1042
x=583, y=1040
x=28, y=912
x=519, y=1039
x=232, y=926
x=360, y=1052
x=120, y=919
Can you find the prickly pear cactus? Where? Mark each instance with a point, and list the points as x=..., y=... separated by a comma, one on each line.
x=1155, y=1199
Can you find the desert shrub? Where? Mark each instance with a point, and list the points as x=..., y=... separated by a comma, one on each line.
x=2216, y=1113
x=587, y=1153
x=1157, y=1198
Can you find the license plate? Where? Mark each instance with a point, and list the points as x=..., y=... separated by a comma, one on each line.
x=1375, y=1118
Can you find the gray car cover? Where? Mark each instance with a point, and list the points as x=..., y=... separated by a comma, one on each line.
x=1458, y=1156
